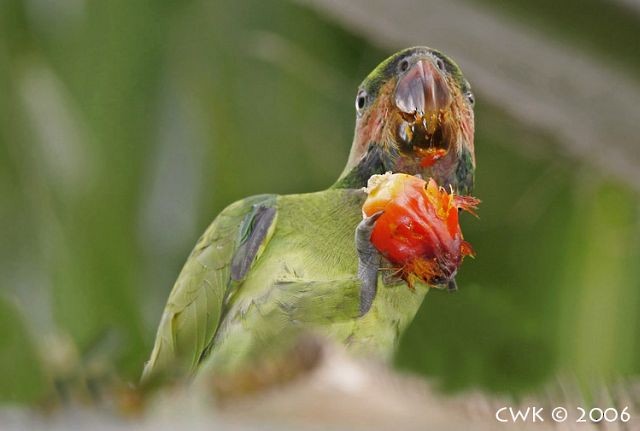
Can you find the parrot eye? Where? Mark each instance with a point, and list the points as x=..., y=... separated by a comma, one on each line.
x=361, y=101
x=440, y=64
x=404, y=65
x=471, y=98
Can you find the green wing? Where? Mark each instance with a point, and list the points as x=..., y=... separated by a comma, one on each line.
x=221, y=258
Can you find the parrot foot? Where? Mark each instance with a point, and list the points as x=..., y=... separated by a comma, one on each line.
x=368, y=262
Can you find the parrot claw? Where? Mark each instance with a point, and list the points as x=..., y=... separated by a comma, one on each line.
x=452, y=286
x=367, y=223
x=368, y=261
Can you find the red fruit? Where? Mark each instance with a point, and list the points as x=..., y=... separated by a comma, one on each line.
x=419, y=229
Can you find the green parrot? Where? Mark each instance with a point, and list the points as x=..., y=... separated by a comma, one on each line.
x=270, y=266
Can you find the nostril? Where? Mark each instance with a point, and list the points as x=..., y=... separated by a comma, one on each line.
x=404, y=65
x=440, y=64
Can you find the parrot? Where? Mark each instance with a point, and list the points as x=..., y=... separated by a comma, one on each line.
x=270, y=266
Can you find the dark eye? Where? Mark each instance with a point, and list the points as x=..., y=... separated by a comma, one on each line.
x=471, y=98
x=440, y=64
x=361, y=100
x=404, y=65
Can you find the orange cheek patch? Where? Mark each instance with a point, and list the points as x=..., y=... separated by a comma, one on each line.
x=419, y=230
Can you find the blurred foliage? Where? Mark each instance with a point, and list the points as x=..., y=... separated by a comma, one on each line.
x=22, y=379
x=125, y=126
x=608, y=28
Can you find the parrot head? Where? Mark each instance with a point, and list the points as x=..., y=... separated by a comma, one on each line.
x=414, y=114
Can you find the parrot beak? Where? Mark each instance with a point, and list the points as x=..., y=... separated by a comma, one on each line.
x=423, y=99
x=422, y=89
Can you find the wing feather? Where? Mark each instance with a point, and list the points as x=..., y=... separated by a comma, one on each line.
x=196, y=302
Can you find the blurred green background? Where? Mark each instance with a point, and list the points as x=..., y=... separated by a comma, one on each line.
x=125, y=126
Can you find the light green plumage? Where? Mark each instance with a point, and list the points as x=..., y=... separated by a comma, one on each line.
x=304, y=279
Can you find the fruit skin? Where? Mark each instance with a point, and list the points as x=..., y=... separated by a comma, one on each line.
x=419, y=230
